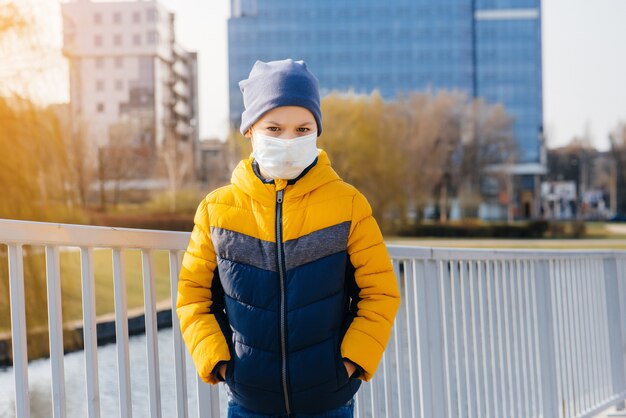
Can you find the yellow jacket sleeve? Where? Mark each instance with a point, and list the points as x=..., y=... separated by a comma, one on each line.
x=199, y=326
x=369, y=332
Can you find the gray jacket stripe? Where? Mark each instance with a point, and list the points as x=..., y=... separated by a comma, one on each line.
x=241, y=248
x=316, y=245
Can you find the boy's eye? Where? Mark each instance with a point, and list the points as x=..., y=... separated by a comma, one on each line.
x=303, y=129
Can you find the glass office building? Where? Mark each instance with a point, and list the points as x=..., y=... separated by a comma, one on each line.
x=489, y=48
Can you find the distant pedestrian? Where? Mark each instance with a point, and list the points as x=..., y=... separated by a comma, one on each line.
x=286, y=292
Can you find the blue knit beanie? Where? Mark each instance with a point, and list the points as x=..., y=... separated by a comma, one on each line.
x=279, y=83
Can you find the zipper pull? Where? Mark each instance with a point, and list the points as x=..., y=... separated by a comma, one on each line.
x=279, y=196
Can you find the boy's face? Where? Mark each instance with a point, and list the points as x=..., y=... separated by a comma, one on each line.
x=285, y=122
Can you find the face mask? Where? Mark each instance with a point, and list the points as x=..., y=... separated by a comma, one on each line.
x=284, y=158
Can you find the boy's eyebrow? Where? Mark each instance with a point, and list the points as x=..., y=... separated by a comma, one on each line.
x=271, y=122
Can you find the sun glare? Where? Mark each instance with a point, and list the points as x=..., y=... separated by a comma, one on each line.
x=31, y=60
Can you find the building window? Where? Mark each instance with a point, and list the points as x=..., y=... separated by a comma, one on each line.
x=100, y=63
x=136, y=39
x=119, y=85
x=117, y=17
x=119, y=62
x=136, y=17
x=153, y=38
x=97, y=18
x=152, y=15
x=117, y=40
x=99, y=85
x=97, y=40
x=100, y=107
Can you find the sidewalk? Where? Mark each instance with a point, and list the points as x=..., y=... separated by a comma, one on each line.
x=611, y=413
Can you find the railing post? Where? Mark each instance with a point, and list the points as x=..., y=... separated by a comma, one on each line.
x=55, y=325
x=429, y=328
x=152, y=342
x=121, y=334
x=417, y=338
x=180, y=377
x=208, y=399
x=547, y=376
x=614, y=315
x=90, y=337
x=18, y=330
x=621, y=284
x=399, y=348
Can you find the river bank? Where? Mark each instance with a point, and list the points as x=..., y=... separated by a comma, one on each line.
x=38, y=338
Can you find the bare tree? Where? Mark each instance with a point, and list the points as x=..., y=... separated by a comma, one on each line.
x=238, y=147
x=487, y=140
x=360, y=137
x=82, y=164
x=618, y=152
x=177, y=158
x=36, y=174
x=34, y=170
x=124, y=158
x=417, y=149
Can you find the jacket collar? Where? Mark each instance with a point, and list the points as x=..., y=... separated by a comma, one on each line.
x=245, y=178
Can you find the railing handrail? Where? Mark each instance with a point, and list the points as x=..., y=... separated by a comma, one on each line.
x=447, y=253
x=58, y=234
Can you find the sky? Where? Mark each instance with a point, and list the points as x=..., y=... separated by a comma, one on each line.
x=584, y=65
x=584, y=69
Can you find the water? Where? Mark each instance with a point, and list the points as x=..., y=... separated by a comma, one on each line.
x=75, y=388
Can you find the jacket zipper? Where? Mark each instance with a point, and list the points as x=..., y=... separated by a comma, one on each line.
x=281, y=274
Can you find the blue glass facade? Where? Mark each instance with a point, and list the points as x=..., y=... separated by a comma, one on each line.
x=489, y=48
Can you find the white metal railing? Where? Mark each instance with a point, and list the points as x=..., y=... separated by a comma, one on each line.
x=499, y=333
x=480, y=333
x=15, y=234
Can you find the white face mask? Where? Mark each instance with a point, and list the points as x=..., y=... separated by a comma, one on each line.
x=284, y=158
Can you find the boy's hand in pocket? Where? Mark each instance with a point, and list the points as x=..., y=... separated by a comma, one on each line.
x=350, y=368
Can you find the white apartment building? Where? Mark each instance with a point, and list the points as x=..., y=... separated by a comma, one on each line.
x=129, y=78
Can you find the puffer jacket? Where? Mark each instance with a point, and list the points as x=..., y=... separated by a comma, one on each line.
x=283, y=280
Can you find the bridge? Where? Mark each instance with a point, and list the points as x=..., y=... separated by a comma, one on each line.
x=479, y=333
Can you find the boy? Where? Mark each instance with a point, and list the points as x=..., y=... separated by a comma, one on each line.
x=286, y=292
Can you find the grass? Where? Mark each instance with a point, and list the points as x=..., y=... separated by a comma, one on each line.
x=598, y=236
x=537, y=244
